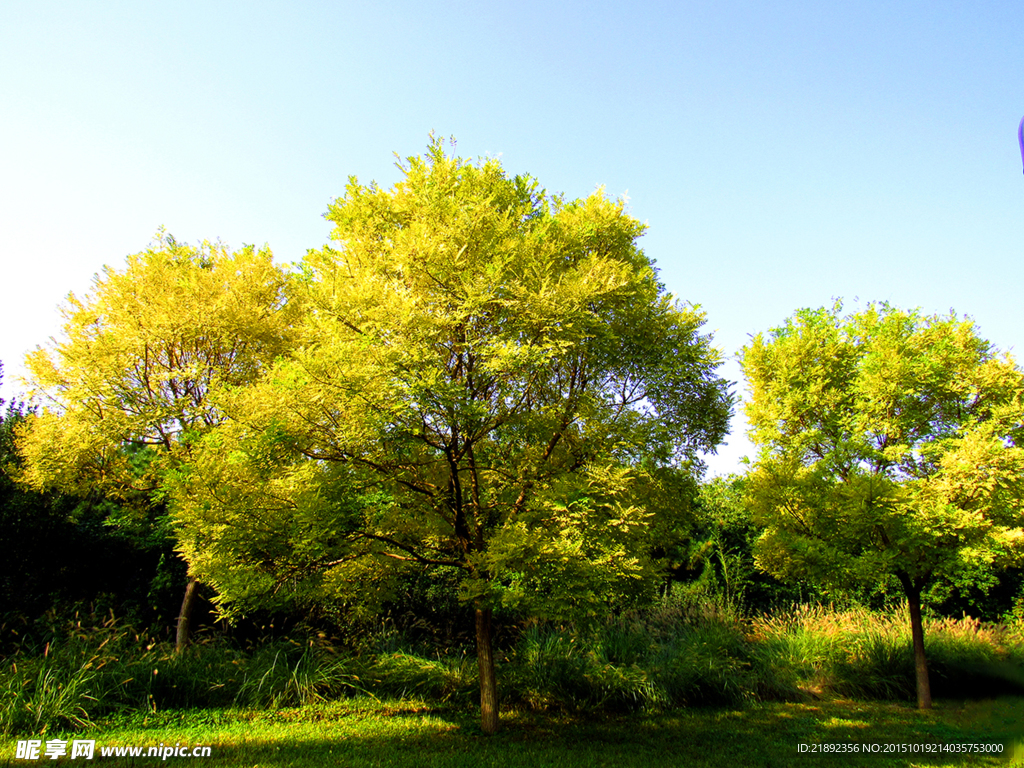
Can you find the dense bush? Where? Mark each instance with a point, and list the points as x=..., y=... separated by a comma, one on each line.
x=60, y=548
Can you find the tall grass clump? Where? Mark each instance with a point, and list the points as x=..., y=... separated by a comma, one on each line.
x=64, y=683
x=92, y=667
x=815, y=649
x=553, y=667
x=972, y=658
x=441, y=677
x=76, y=672
x=35, y=697
x=290, y=674
x=861, y=653
x=391, y=662
x=684, y=650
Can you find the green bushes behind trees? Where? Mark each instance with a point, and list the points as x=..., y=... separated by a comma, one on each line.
x=62, y=549
x=717, y=551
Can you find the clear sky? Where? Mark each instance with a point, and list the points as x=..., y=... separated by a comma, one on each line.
x=783, y=153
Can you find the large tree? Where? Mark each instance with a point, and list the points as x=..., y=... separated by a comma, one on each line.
x=136, y=364
x=487, y=378
x=889, y=446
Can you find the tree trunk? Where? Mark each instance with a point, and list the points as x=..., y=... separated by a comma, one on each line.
x=488, y=681
x=185, y=617
x=924, y=688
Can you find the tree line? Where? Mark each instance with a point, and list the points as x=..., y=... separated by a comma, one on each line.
x=486, y=381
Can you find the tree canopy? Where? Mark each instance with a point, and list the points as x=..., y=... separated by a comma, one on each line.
x=889, y=444
x=485, y=378
x=127, y=388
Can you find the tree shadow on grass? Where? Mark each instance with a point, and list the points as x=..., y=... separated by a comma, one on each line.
x=979, y=681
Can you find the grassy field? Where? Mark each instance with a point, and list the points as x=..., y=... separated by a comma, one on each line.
x=366, y=732
x=663, y=689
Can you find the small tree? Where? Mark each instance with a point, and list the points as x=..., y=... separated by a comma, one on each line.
x=139, y=358
x=484, y=374
x=889, y=446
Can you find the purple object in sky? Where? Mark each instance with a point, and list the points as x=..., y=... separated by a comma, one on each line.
x=1020, y=139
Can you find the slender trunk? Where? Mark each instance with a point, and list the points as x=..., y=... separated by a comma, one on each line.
x=924, y=688
x=488, y=681
x=185, y=617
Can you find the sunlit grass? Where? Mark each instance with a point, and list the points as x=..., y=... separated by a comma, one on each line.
x=648, y=665
x=365, y=732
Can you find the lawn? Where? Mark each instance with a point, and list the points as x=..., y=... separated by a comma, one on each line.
x=366, y=732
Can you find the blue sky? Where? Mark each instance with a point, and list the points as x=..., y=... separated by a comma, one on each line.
x=783, y=153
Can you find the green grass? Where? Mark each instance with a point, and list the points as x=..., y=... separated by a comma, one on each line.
x=674, y=654
x=364, y=732
x=678, y=685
